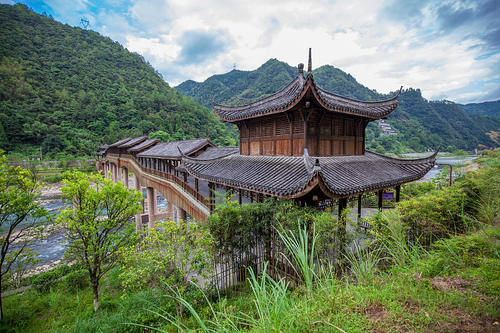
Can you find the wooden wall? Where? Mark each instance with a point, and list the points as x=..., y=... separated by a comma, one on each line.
x=328, y=134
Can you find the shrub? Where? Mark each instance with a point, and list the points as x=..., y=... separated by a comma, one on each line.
x=43, y=281
x=434, y=215
x=53, y=178
x=77, y=280
x=461, y=252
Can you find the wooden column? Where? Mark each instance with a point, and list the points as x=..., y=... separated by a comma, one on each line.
x=342, y=229
x=181, y=214
x=380, y=199
x=151, y=207
x=115, y=173
x=305, y=116
x=290, y=121
x=196, y=185
x=359, y=206
x=274, y=137
x=125, y=176
x=170, y=210
x=342, y=206
x=138, y=216
x=210, y=197
x=239, y=196
x=398, y=191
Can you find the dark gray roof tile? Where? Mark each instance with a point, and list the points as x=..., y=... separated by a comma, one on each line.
x=170, y=150
x=289, y=96
x=143, y=145
x=133, y=142
x=286, y=175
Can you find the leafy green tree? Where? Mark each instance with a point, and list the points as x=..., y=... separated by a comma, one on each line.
x=160, y=135
x=173, y=253
x=26, y=260
x=20, y=214
x=98, y=223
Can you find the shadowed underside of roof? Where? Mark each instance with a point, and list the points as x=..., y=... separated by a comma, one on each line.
x=285, y=176
x=289, y=96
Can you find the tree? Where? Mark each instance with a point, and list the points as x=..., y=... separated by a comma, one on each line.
x=160, y=135
x=174, y=253
x=20, y=215
x=98, y=224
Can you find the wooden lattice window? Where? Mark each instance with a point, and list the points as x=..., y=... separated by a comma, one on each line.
x=282, y=126
x=252, y=130
x=267, y=128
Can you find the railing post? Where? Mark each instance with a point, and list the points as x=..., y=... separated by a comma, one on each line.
x=359, y=206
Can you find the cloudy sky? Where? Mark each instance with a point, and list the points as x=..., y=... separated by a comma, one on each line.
x=448, y=49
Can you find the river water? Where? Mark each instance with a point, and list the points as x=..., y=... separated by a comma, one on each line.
x=454, y=161
x=52, y=248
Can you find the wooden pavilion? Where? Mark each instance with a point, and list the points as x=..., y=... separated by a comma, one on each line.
x=307, y=144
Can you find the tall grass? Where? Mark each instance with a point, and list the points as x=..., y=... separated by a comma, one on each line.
x=363, y=262
x=220, y=321
x=394, y=245
x=302, y=253
x=272, y=302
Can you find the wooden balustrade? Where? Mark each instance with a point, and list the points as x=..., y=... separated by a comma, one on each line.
x=171, y=177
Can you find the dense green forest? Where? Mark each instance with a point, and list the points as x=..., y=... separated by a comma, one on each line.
x=485, y=108
x=420, y=124
x=67, y=90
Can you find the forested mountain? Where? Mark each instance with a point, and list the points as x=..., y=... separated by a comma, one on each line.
x=484, y=109
x=66, y=89
x=420, y=124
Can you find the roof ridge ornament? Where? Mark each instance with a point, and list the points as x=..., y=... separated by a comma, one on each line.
x=309, y=63
x=317, y=166
x=301, y=68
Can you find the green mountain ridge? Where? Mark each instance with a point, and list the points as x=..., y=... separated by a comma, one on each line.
x=486, y=108
x=420, y=124
x=67, y=90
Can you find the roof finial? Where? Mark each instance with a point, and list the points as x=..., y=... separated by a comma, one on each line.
x=309, y=63
x=301, y=68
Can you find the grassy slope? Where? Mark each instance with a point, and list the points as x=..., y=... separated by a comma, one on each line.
x=453, y=286
x=404, y=299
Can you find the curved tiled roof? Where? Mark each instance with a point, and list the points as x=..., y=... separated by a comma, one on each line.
x=270, y=104
x=170, y=150
x=102, y=150
x=143, y=145
x=286, y=175
x=133, y=142
x=290, y=95
x=347, y=175
x=278, y=175
x=378, y=109
x=217, y=152
x=119, y=142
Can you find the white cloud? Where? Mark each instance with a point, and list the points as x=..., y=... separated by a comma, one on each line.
x=383, y=44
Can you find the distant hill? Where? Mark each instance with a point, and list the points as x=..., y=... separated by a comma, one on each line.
x=420, y=124
x=485, y=109
x=68, y=90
